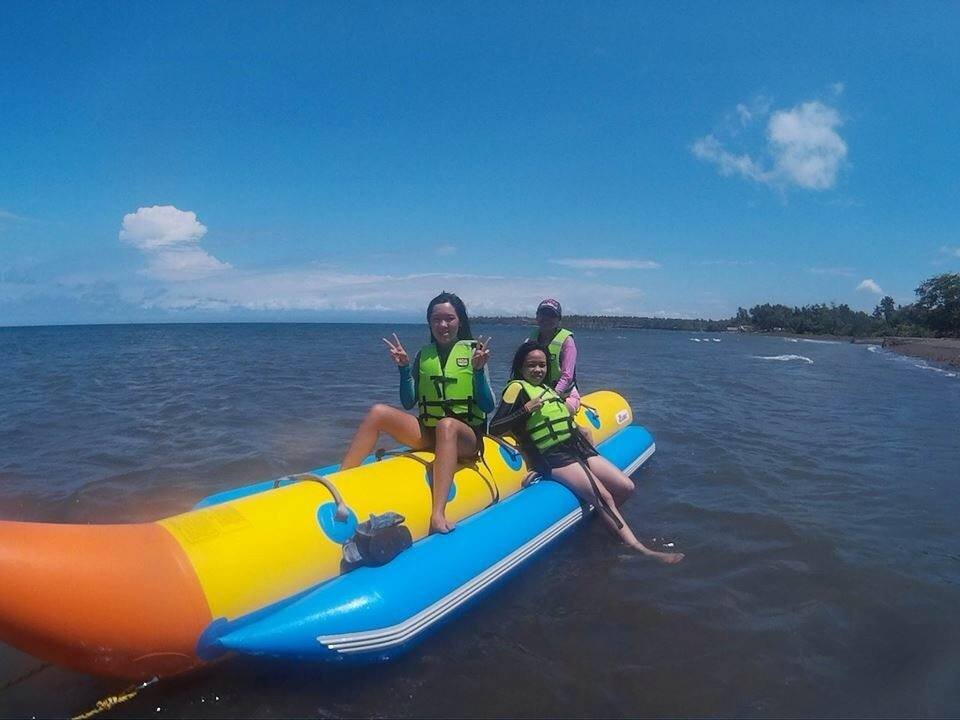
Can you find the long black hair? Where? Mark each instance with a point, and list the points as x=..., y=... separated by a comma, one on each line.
x=463, y=331
x=528, y=346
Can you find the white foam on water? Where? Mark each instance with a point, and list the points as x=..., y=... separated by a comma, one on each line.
x=923, y=366
x=784, y=358
x=821, y=342
x=716, y=339
x=791, y=340
x=695, y=339
x=911, y=361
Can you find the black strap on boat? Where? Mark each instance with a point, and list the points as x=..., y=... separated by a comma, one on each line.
x=512, y=450
x=380, y=454
x=590, y=408
x=491, y=483
x=601, y=503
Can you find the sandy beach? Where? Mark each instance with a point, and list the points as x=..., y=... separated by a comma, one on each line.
x=944, y=350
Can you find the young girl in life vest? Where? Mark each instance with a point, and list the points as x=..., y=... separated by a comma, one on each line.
x=450, y=386
x=537, y=416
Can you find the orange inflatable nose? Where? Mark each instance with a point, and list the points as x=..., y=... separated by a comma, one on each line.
x=119, y=600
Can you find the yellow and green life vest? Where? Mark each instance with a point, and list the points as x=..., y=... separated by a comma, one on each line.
x=553, y=371
x=551, y=423
x=447, y=391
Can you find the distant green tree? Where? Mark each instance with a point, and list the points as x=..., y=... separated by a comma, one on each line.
x=938, y=298
x=887, y=307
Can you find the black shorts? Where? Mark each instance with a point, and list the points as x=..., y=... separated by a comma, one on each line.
x=574, y=450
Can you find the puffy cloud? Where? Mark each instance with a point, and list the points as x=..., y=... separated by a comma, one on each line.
x=170, y=238
x=150, y=228
x=806, y=146
x=803, y=148
x=869, y=285
x=606, y=264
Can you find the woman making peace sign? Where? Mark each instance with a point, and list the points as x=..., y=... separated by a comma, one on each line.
x=450, y=386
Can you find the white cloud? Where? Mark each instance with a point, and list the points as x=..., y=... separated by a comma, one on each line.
x=757, y=108
x=170, y=239
x=806, y=146
x=445, y=250
x=606, y=264
x=841, y=271
x=869, y=285
x=161, y=226
x=837, y=88
x=803, y=148
x=710, y=149
x=7, y=215
x=730, y=263
x=331, y=290
x=955, y=251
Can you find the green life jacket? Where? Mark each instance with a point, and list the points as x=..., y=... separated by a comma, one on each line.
x=448, y=391
x=551, y=423
x=553, y=372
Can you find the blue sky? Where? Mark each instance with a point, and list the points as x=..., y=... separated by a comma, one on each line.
x=346, y=161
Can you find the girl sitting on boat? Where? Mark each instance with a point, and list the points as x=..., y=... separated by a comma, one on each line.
x=536, y=415
x=450, y=386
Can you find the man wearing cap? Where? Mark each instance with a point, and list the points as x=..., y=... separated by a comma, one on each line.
x=562, y=373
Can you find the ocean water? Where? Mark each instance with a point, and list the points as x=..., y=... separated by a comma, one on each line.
x=812, y=486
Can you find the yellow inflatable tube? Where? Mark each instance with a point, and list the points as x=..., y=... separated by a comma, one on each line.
x=167, y=581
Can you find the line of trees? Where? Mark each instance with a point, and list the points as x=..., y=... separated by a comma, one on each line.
x=936, y=313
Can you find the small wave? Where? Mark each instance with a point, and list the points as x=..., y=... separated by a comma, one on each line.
x=913, y=362
x=716, y=339
x=791, y=340
x=821, y=342
x=695, y=339
x=784, y=358
x=924, y=366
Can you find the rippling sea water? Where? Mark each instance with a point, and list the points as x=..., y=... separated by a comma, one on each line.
x=812, y=486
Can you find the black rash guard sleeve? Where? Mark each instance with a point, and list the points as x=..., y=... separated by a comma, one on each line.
x=510, y=417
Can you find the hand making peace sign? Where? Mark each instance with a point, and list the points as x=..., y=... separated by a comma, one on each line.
x=481, y=353
x=397, y=352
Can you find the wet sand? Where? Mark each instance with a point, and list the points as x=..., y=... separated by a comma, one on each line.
x=943, y=350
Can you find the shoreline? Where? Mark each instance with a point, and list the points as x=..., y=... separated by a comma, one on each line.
x=940, y=350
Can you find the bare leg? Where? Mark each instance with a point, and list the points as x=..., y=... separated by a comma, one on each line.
x=401, y=426
x=455, y=440
x=612, y=478
x=574, y=477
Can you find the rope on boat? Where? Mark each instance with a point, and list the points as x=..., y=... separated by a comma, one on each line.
x=114, y=700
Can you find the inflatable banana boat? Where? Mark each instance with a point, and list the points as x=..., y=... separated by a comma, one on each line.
x=258, y=570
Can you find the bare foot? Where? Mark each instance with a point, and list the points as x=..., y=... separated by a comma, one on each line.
x=440, y=524
x=667, y=558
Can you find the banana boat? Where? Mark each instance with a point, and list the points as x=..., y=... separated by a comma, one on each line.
x=259, y=569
